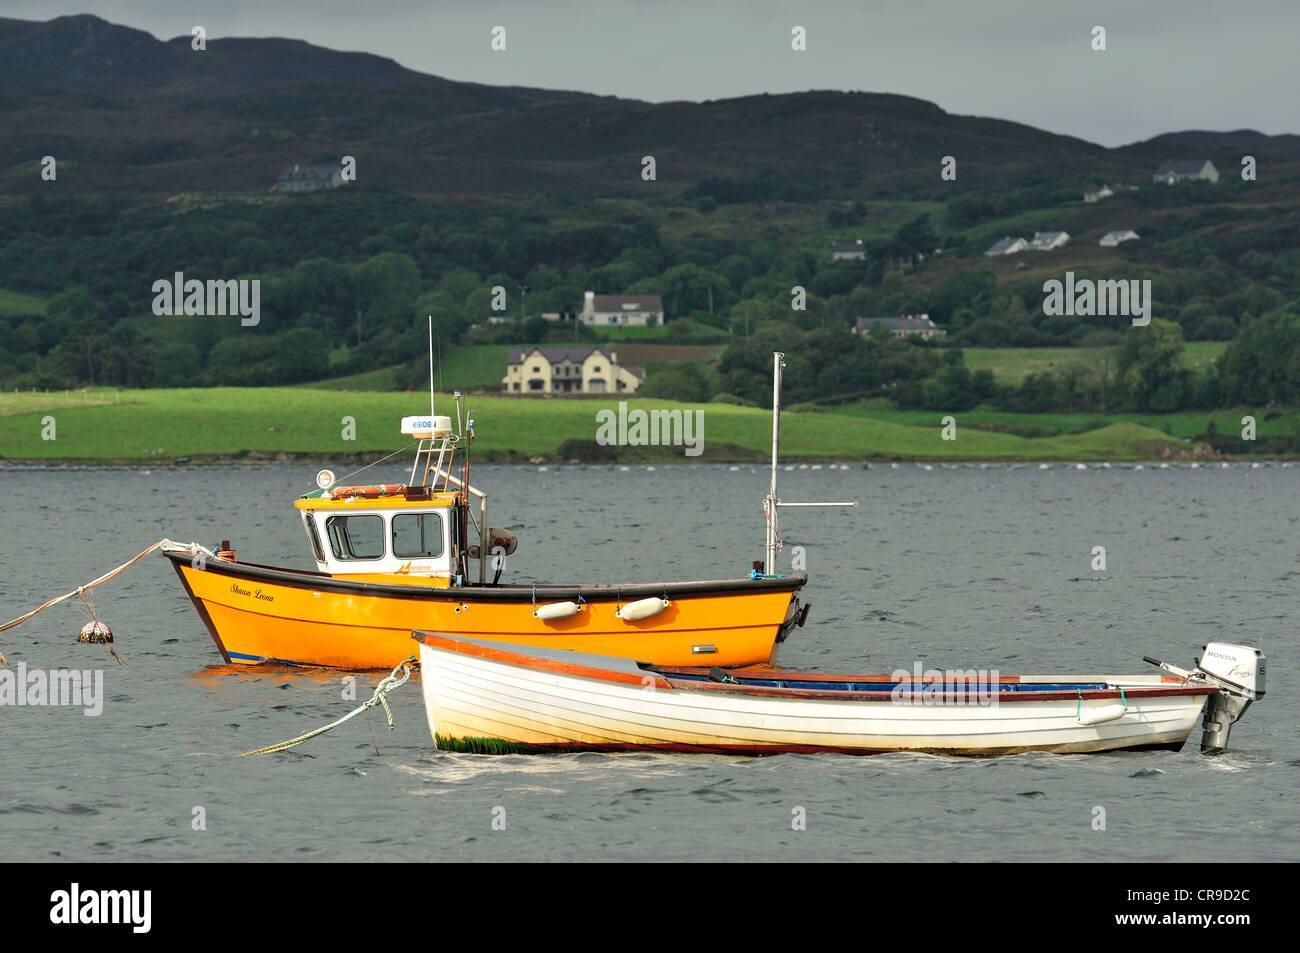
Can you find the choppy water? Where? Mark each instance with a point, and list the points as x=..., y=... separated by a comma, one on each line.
x=957, y=567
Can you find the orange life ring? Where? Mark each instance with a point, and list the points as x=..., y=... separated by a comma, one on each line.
x=367, y=492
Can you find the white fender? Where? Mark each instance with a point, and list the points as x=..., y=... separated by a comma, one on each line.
x=556, y=610
x=642, y=609
x=1099, y=716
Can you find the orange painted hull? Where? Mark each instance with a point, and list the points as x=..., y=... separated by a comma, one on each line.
x=259, y=614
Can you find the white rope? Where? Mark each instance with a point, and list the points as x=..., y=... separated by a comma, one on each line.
x=387, y=685
x=167, y=544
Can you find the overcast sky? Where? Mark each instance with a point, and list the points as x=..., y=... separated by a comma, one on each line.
x=1169, y=65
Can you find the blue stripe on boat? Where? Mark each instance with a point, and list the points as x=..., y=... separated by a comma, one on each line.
x=238, y=657
x=983, y=687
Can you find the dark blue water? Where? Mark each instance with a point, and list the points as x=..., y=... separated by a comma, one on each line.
x=954, y=567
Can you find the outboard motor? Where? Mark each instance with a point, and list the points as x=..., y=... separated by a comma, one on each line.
x=1238, y=671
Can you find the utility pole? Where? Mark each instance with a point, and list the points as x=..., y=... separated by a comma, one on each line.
x=358, y=327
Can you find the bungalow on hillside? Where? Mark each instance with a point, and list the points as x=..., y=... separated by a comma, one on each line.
x=308, y=178
x=1111, y=239
x=1096, y=195
x=568, y=370
x=848, y=251
x=1046, y=241
x=1007, y=246
x=622, y=310
x=905, y=326
x=1186, y=170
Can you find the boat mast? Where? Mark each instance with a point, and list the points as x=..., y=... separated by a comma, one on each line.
x=771, y=503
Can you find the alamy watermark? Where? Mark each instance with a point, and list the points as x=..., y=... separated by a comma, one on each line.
x=657, y=428
x=126, y=907
x=1088, y=298
x=22, y=686
x=242, y=296
x=946, y=687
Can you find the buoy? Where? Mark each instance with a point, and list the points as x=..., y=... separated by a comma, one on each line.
x=642, y=609
x=556, y=610
x=1099, y=716
x=96, y=632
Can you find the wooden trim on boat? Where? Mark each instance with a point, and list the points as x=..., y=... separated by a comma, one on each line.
x=602, y=592
x=433, y=640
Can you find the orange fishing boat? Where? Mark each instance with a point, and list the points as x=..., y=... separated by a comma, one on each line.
x=395, y=558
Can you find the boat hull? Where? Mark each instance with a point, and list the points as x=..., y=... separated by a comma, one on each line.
x=488, y=698
x=258, y=614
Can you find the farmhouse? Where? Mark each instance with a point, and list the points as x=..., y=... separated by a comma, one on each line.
x=568, y=370
x=1046, y=241
x=1186, y=170
x=1111, y=239
x=622, y=310
x=1007, y=246
x=308, y=178
x=908, y=325
x=848, y=251
x=1096, y=195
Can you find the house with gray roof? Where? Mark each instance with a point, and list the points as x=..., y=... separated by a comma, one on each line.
x=534, y=369
x=1186, y=170
x=1046, y=241
x=308, y=178
x=907, y=325
x=622, y=310
x=1006, y=246
x=1118, y=237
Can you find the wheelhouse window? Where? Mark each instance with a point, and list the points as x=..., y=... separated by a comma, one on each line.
x=356, y=537
x=317, y=550
x=417, y=535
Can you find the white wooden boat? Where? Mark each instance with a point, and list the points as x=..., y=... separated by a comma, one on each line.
x=494, y=697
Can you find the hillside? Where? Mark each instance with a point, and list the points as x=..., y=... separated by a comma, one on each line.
x=85, y=55
x=123, y=111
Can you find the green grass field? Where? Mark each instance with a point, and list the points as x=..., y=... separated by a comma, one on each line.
x=1011, y=365
x=17, y=302
x=139, y=426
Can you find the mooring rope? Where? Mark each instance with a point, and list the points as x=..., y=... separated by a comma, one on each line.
x=193, y=548
x=387, y=685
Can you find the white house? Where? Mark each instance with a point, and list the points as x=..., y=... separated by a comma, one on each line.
x=848, y=251
x=906, y=326
x=565, y=370
x=1007, y=246
x=308, y=178
x=1186, y=170
x=1096, y=195
x=622, y=310
x=1046, y=241
x=1111, y=239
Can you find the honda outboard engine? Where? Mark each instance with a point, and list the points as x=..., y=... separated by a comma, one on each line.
x=1238, y=671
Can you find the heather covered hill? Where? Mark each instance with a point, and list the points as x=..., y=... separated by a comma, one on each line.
x=86, y=55
x=123, y=111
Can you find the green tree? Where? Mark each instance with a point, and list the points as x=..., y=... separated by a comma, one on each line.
x=1262, y=365
x=1149, y=366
